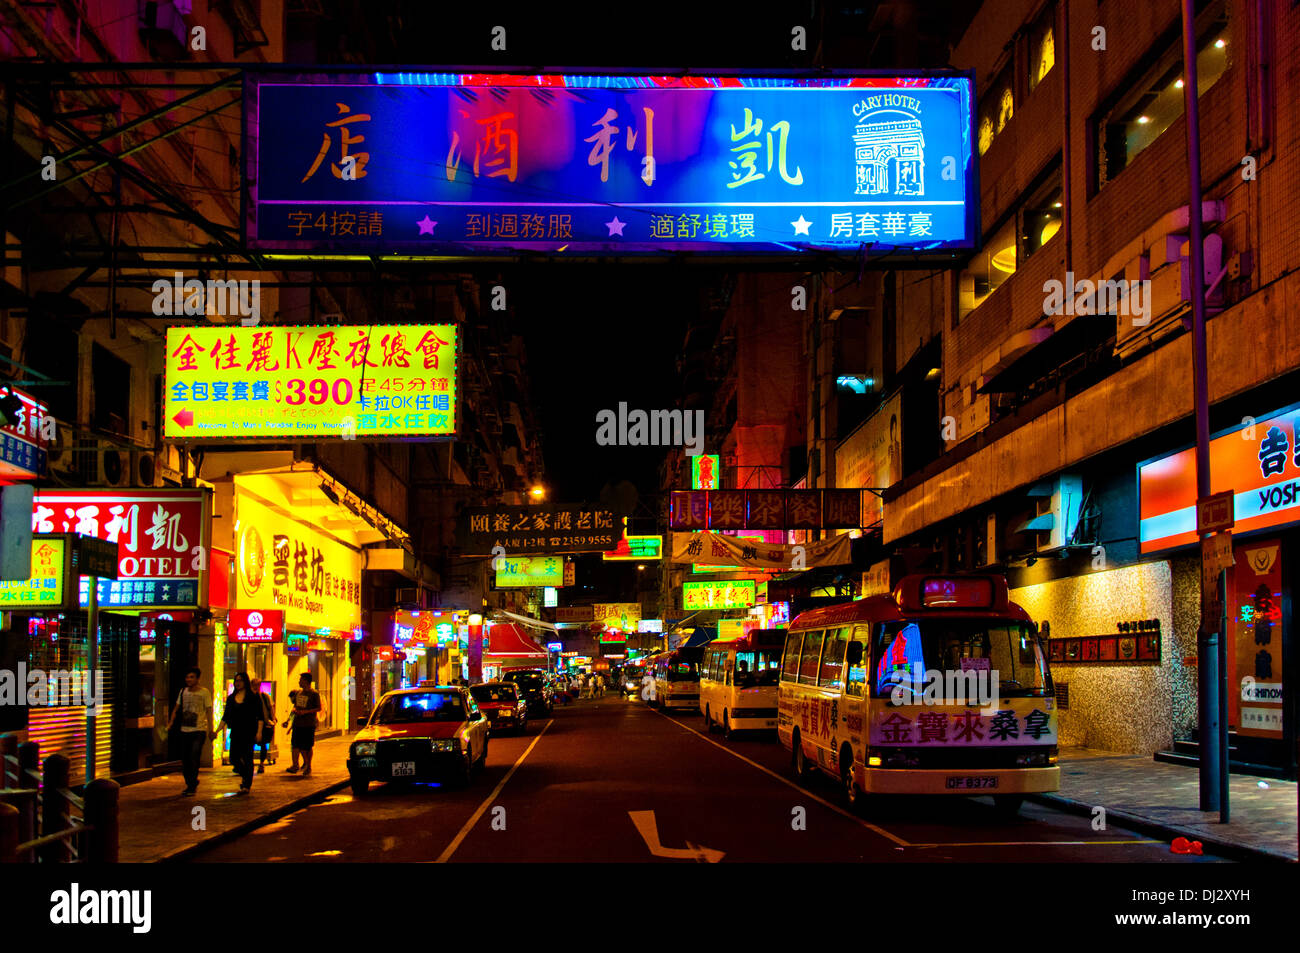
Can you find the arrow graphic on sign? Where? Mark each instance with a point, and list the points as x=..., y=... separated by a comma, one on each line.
x=184, y=418
x=649, y=831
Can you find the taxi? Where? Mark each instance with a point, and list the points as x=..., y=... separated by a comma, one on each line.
x=502, y=703
x=430, y=733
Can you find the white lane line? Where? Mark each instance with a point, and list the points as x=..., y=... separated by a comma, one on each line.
x=786, y=781
x=469, y=825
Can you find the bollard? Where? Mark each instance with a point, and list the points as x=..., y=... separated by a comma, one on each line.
x=8, y=834
x=53, y=780
x=8, y=748
x=29, y=759
x=100, y=813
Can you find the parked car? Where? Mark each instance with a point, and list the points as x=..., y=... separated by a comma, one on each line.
x=532, y=685
x=502, y=704
x=430, y=733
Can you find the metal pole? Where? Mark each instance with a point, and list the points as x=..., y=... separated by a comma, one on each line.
x=92, y=666
x=1212, y=754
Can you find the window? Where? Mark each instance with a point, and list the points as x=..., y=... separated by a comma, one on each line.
x=1042, y=46
x=992, y=265
x=790, y=660
x=1040, y=215
x=1152, y=103
x=961, y=649
x=833, y=659
x=996, y=108
x=809, y=657
x=112, y=392
x=858, y=673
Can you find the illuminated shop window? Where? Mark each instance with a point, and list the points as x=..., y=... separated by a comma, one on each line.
x=1042, y=47
x=996, y=109
x=1152, y=104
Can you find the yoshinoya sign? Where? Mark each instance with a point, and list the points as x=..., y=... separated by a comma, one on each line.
x=240, y=383
x=255, y=625
x=621, y=164
x=161, y=537
x=1258, y=461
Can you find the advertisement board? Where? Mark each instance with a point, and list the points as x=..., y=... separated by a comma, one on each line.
x=733, y=594
x=47, y=588
x=231, y=382
x=610, y=164
x=161, y=537
x=537, y=530
x=285, y=561
x=255, y=625
x=22, y=444
x=515, y=572
x=1257, y=460
x=872, y=456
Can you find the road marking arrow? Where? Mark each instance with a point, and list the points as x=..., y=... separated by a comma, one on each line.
x=649, y=831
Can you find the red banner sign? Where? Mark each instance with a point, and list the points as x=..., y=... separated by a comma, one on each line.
x=255, y=625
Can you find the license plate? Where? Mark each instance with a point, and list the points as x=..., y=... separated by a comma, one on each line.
x=966, y=783
x=403, y=769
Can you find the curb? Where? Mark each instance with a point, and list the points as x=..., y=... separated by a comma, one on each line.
x=1145, y=825
x=234, y=833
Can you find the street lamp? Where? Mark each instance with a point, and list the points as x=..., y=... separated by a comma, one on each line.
x=537, y=492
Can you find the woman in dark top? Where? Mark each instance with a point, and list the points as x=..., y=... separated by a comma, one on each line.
x=244, y=717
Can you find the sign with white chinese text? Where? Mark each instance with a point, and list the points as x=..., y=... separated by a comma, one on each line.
x=538, y=530
x=255, y=625
x=161, y=537
x=610, y=164
x=48, y=586
x=22, y=445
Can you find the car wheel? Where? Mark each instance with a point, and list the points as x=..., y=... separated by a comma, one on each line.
x=726, y=727
x=853, y=797
x=360, y=787
x=482, y=761
x=708, y=719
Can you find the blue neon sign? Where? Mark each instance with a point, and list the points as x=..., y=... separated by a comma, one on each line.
x=449, y=163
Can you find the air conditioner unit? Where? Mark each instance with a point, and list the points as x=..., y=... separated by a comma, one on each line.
x=145, y=470
x=1059, y=504
x=101, y=463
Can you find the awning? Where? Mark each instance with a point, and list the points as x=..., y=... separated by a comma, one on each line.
x=507, y=640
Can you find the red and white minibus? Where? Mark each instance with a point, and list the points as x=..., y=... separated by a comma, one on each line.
x=941, y=687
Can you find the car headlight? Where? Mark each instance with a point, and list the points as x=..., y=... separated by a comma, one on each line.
x=364, y=749
x=444, y=744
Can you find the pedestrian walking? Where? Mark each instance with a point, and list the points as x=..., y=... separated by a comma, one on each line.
x=244, y=716
x=302, y=738
x=194, y=707
x=268, y=729
x=600, y=686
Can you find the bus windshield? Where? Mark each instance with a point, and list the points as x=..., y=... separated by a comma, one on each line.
x=905, y=652
x=758, y=668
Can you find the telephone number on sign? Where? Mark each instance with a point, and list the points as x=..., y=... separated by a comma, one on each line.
x=963, y=783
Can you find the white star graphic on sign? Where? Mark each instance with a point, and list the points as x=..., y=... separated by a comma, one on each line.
x=801, y=226
x=615, y=227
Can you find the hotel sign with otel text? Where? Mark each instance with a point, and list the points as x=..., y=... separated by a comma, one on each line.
x=306, y=383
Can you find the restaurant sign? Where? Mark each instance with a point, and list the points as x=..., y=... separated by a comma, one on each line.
x=305, y=383
x=48, y=586
x=23, y=439
x=732, y=594
x=513, y=572
x=1257, y=460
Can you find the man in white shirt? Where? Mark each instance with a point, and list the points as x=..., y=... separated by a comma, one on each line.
x=194, y=706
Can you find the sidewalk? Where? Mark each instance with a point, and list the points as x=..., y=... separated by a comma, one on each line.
x=1161, y=800
x=157, y=821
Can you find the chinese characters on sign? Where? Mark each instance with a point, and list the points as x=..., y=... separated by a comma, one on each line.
x=538, y=530
x=45, y=588
x=285, y=562
x=915, y=726
x=22, y=442
x=632, y=163
x=310, y=382
x=524, y=571
x=765, y=509
x=161, y=537
x=734, y=594
x=255, y=625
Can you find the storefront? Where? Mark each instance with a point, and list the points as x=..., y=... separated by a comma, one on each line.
x=145, y=621
x=297, y=559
